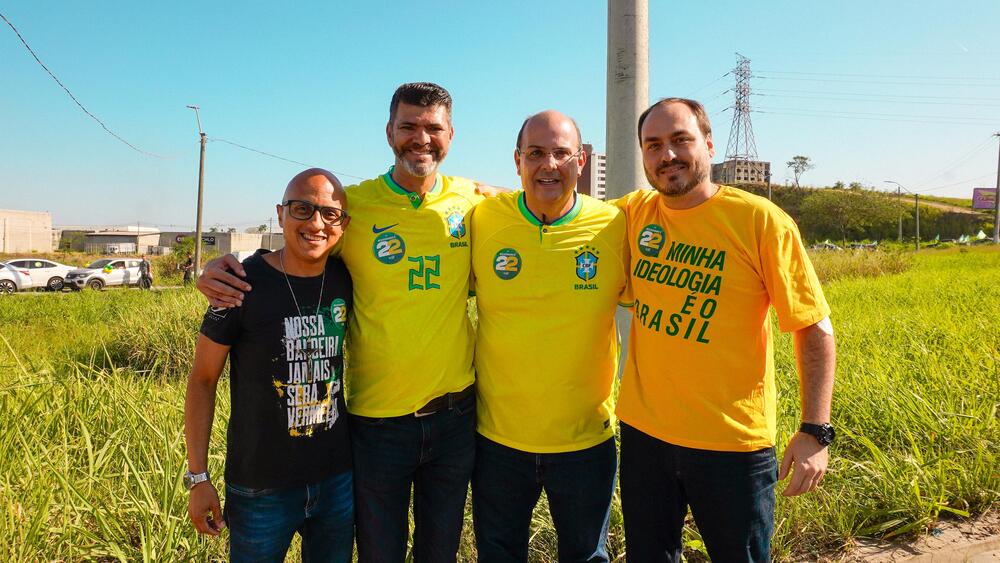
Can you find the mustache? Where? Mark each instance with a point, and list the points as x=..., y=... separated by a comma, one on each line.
x=664, y=165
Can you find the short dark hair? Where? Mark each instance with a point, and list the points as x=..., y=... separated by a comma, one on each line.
x=423, y=94
x=520, y=132
x=696, y=108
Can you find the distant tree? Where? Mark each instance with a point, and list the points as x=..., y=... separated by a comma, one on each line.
x=799, y=164
x=838, y=185
x=231, y=230
x=257, y=229
x=856, y=186
x=846, y=215
x=213, y=229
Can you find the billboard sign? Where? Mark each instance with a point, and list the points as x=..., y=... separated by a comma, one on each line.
x=208, y=239
x=983, y=198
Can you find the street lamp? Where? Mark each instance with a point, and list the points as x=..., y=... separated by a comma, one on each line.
x=201, y=191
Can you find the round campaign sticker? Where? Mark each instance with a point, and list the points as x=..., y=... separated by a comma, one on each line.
x=389, y=248
x=651, y=240
x=507, y=263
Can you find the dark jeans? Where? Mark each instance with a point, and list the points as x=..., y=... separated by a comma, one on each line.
x=262, y=521
x=731, y=495
x=507, y=483
x=432, y=454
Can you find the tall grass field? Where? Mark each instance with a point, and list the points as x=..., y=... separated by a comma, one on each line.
x=92, y=391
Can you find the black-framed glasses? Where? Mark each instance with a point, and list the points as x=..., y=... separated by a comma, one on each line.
x=304, y=211
x=561, y=156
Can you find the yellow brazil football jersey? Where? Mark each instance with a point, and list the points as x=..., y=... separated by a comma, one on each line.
x=700, y=372
x=547, y=348
x=409, y=339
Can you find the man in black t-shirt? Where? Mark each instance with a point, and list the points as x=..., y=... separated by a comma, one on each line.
x=288, y=455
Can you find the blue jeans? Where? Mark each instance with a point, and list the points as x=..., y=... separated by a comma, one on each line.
x=431, y=454
x=731, y=495
x=507, y=483
x=262, y=521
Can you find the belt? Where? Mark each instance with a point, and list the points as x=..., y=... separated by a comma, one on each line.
x=445, y=402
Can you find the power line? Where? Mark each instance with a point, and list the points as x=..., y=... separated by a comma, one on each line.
x=961, y=159
x=894, y=83
x=829, y=93
x=886, y=101
x=904, y=77
x=267, y=154
x=954, y=184
x=76, y=101
x=903, y=119
x=691, y=95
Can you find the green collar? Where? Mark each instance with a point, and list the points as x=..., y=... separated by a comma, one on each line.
x=569, y=216
x=414, y=198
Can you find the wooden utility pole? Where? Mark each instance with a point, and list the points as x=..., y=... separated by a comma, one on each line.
x=201, y=192
x=916, y=205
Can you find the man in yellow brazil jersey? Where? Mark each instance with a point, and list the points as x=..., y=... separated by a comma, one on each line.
x=697, y=402
x=409, y=371
x=549, y=268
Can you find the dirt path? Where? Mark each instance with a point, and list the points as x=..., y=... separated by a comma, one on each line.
x=949, y=541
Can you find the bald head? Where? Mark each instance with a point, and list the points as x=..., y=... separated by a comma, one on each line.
x=315, y=182
x=552, y=120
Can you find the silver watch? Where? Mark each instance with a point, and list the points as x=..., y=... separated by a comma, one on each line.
x=192, y=479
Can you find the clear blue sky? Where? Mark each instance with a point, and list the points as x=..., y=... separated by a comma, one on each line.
x=311, y=81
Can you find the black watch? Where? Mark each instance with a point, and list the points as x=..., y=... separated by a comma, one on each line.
x=823, y=433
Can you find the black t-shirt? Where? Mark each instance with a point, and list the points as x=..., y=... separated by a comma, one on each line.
x=288, y=421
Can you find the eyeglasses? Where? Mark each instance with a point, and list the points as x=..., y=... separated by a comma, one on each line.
x=304, y=211
x=561, y=156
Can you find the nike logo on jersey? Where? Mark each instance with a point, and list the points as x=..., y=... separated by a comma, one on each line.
x=377, y=230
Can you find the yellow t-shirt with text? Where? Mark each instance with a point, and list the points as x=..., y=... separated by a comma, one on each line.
x=700, y=371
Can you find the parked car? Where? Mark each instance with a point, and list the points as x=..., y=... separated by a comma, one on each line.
x=44, y=273
x=105, y=272
x=13, y=279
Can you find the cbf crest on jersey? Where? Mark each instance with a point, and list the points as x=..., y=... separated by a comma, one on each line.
x=586, y=263
x=456, y=227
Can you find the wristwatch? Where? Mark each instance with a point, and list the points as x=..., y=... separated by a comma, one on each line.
x=192, y=479
x=823, y=433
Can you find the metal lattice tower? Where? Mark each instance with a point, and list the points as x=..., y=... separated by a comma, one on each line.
x=742, y=145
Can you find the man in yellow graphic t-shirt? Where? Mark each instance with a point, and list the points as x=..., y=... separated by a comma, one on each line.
x=549, y=267
x=409, y=371
x=697, y=401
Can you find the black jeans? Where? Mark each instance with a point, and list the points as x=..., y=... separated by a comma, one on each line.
x=731, y=495
x=434, y=455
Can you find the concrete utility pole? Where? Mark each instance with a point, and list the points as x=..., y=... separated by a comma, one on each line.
x=201, y=192
x=996, y=199
x=628, y=97
x=628, y=93
x=916, y=205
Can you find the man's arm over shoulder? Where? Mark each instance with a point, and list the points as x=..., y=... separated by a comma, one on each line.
x=222, y=288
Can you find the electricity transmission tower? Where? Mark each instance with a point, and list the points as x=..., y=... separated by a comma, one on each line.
x=742, y=145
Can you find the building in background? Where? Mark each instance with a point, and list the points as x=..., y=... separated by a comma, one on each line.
x=739, y=171
x=225, y=242
x=126, y=240
x=592, y=177
x=25, y=231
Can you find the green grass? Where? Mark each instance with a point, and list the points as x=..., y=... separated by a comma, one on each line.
x=92, y=387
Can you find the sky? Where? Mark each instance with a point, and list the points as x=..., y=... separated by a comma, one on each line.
x=869, y=90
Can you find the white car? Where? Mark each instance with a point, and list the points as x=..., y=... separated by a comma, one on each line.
x=44, y=273
x=104, y=273
x=13, y=279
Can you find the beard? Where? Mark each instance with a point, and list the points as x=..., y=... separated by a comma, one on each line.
x=675, y=187
x=421, y=169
